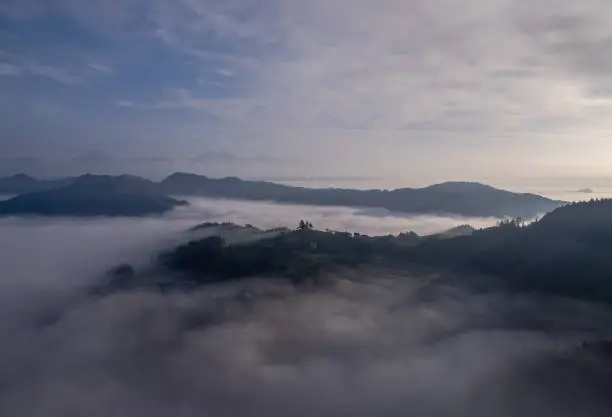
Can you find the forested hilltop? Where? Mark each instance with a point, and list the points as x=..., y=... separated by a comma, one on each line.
x=567, y=252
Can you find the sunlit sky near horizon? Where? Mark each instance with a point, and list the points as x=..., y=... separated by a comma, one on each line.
x=425, y=90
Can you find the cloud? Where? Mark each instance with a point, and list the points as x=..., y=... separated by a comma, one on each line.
x=8, y=69
x=69, y=250
x=396, y=66
x=229, y=159
x=373, y=222
x=22, y=65
x=391, y=65
x=125, y=103
x=329, y=352
x=362, y=343
x=226, y=72
x=497, y=68
x=59, y=75
x=101, y=68
x=441, y=76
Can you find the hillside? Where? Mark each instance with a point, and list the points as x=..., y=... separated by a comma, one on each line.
x=22, y=183
x=458, y=198
x=453, y=198
x=566, y=253
x=92, y=195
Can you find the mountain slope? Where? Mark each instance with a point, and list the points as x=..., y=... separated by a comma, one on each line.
x=567, y=252
x=92, y=195
x=22, y=183
x=454, y=198
x=467, y=199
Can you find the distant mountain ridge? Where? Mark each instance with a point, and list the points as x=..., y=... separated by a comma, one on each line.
x=90, y=195
x=23, y=183
x=454, y=198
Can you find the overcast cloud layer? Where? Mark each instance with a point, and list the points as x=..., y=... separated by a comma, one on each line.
x=393, y=83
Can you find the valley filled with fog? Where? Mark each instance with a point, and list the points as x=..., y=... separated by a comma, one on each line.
x=361, y=341
x=41, y=255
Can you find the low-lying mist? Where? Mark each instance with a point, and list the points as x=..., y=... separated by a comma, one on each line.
x=37, y=252
x=357, y=342
x=371, y=221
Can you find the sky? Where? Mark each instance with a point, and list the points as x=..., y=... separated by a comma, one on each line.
x=423, y=90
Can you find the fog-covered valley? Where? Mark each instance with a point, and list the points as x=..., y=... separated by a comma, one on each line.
x=42, y=255
x=357, y=341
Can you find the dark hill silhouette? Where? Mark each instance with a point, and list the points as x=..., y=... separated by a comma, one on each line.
x=93, y=195
x=459, y=186
x=22, y=183
x=455, y=198
x=114, y=184
x=460, y=198
x=566, y=253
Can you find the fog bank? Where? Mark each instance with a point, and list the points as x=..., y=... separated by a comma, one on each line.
x=359, y=342
x=361, y=345
x=40, y=255
x=371, y=221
